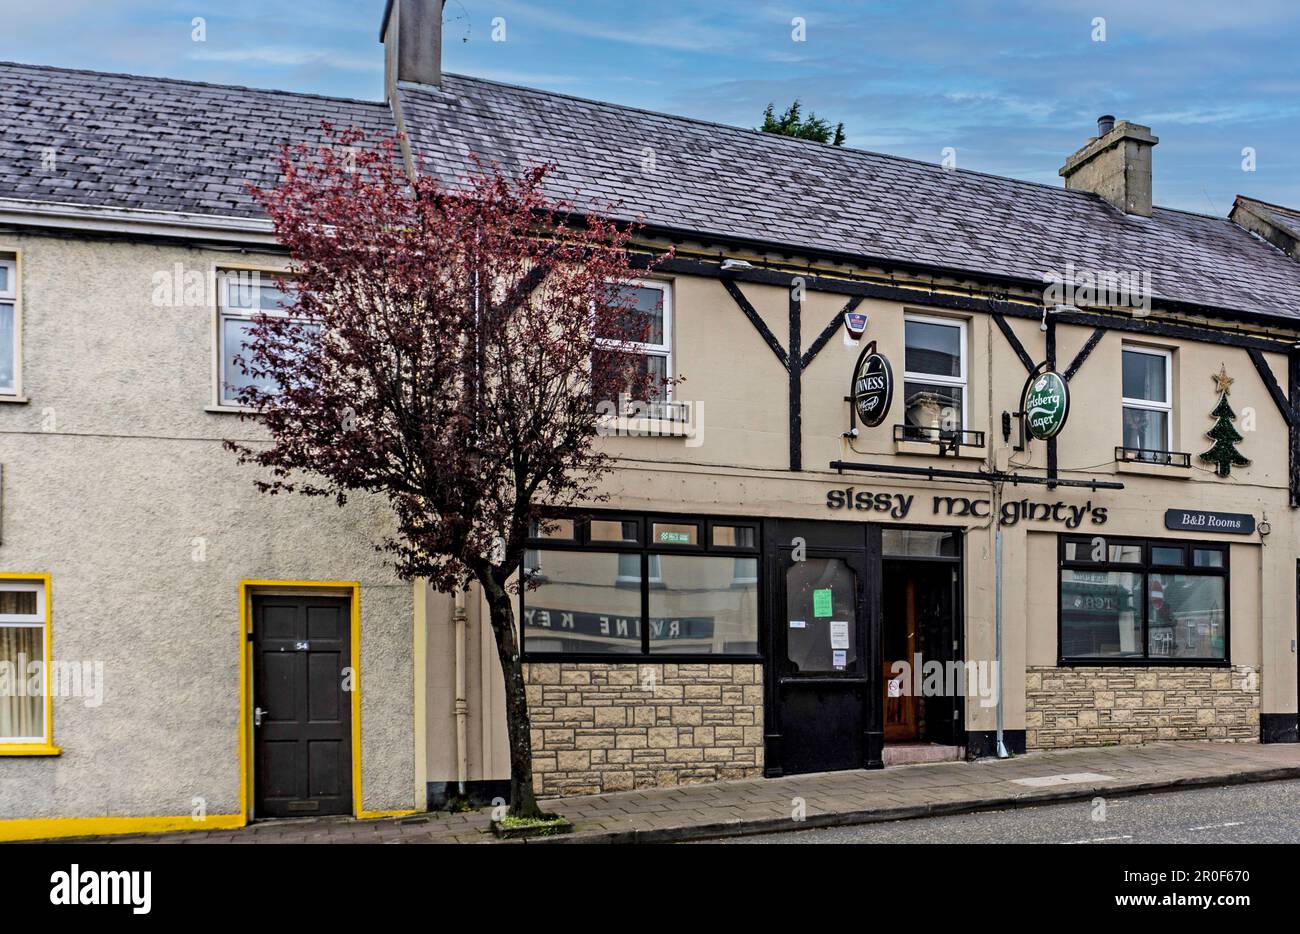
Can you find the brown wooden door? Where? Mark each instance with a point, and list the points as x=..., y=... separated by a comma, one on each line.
x=302, y=718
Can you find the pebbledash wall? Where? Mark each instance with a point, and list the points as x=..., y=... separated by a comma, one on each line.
x=117, y=486
x=605, y=727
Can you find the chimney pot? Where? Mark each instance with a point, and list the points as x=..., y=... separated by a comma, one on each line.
x=1115, y=166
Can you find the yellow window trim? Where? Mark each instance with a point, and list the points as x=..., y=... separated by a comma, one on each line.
x=46, y=748
x=29, y=749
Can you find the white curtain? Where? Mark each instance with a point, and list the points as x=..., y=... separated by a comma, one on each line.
x=22, y=711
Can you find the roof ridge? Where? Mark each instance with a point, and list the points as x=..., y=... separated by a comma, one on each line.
x=190, y=82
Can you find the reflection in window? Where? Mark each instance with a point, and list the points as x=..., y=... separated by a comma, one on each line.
x=579, y=606
x=702, y=611
x=1102, y=552
x=1186, y=616
x=1101, y=614
x=918, y=543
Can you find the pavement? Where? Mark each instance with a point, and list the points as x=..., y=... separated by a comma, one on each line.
x=828, y=799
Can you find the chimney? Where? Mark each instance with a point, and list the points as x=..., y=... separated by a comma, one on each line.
x=1116, y=164
x=412, y=36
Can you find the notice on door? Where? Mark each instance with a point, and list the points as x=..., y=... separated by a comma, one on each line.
x=839, y=634
x=822, y=603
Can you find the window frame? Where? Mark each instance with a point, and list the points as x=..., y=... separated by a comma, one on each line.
x=581, y=542
x=40, y=582
x=1144, y=569
x=222, y=313
x=1166, y=407
x=11, y=260
x=962, y=381
x=665, y=350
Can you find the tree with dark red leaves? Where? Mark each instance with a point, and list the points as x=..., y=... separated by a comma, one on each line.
x=447, y=349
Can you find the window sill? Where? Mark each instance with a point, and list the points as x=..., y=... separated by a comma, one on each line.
x=1155, y=661
x=1169, y=471
x=29, y=749
x=229, y=410
x=631, y=427
x=15, y=400
x=928, y=449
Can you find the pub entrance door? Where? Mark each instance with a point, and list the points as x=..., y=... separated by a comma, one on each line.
x=823, y=672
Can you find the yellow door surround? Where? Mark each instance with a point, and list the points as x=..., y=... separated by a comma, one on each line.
x=55, y=827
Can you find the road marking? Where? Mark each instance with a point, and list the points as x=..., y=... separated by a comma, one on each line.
x=1231, y=823
x=1127, y=836
x=1070, y=778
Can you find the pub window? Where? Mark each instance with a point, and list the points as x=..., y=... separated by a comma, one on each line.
x=24, y=666
x=1148, y=402
x=934, y=379
x=1143, y=601
x=676, y=593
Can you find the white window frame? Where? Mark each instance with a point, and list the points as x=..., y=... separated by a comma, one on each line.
x=224, y=313
x=39, y=620
x=963, y=380
x=10, y=297
x=1167, y=406
x=664, y=349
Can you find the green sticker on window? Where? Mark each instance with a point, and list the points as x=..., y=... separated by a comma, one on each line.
x=822, y=602
x=675, y=538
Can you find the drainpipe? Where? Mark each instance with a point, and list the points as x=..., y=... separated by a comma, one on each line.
x=462, y=702
x=997, y=615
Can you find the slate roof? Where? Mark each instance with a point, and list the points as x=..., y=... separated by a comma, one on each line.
x=745, y=184
x=163, y=144
x=155, y=143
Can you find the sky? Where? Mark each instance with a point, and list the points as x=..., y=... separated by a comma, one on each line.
x=1013, y=87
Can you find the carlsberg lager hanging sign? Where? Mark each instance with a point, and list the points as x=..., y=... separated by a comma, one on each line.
x=1047, y=405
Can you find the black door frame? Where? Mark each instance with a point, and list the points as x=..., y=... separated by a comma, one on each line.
x=958, y=602
x=858, y=539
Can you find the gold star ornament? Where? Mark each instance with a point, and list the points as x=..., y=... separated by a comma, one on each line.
x=1222, y=380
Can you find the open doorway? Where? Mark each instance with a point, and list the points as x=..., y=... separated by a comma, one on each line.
x=921, y=651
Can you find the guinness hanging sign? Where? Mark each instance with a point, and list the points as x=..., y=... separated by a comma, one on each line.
x=1046, y=405
x=873, y=387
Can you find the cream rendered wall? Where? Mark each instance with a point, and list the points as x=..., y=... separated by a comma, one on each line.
x=740, y=467
x=115, y=482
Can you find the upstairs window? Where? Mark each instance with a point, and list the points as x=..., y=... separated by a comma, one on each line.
x=651, y=302
x=934, y=379
x=8, y=327
x=243, y=297
x=1148, y=401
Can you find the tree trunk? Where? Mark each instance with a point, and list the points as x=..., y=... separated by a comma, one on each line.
x=523, y=800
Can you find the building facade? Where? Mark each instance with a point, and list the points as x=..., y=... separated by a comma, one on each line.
x=808, y=559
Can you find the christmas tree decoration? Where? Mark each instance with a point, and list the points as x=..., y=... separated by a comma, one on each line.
x=1224, y=454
